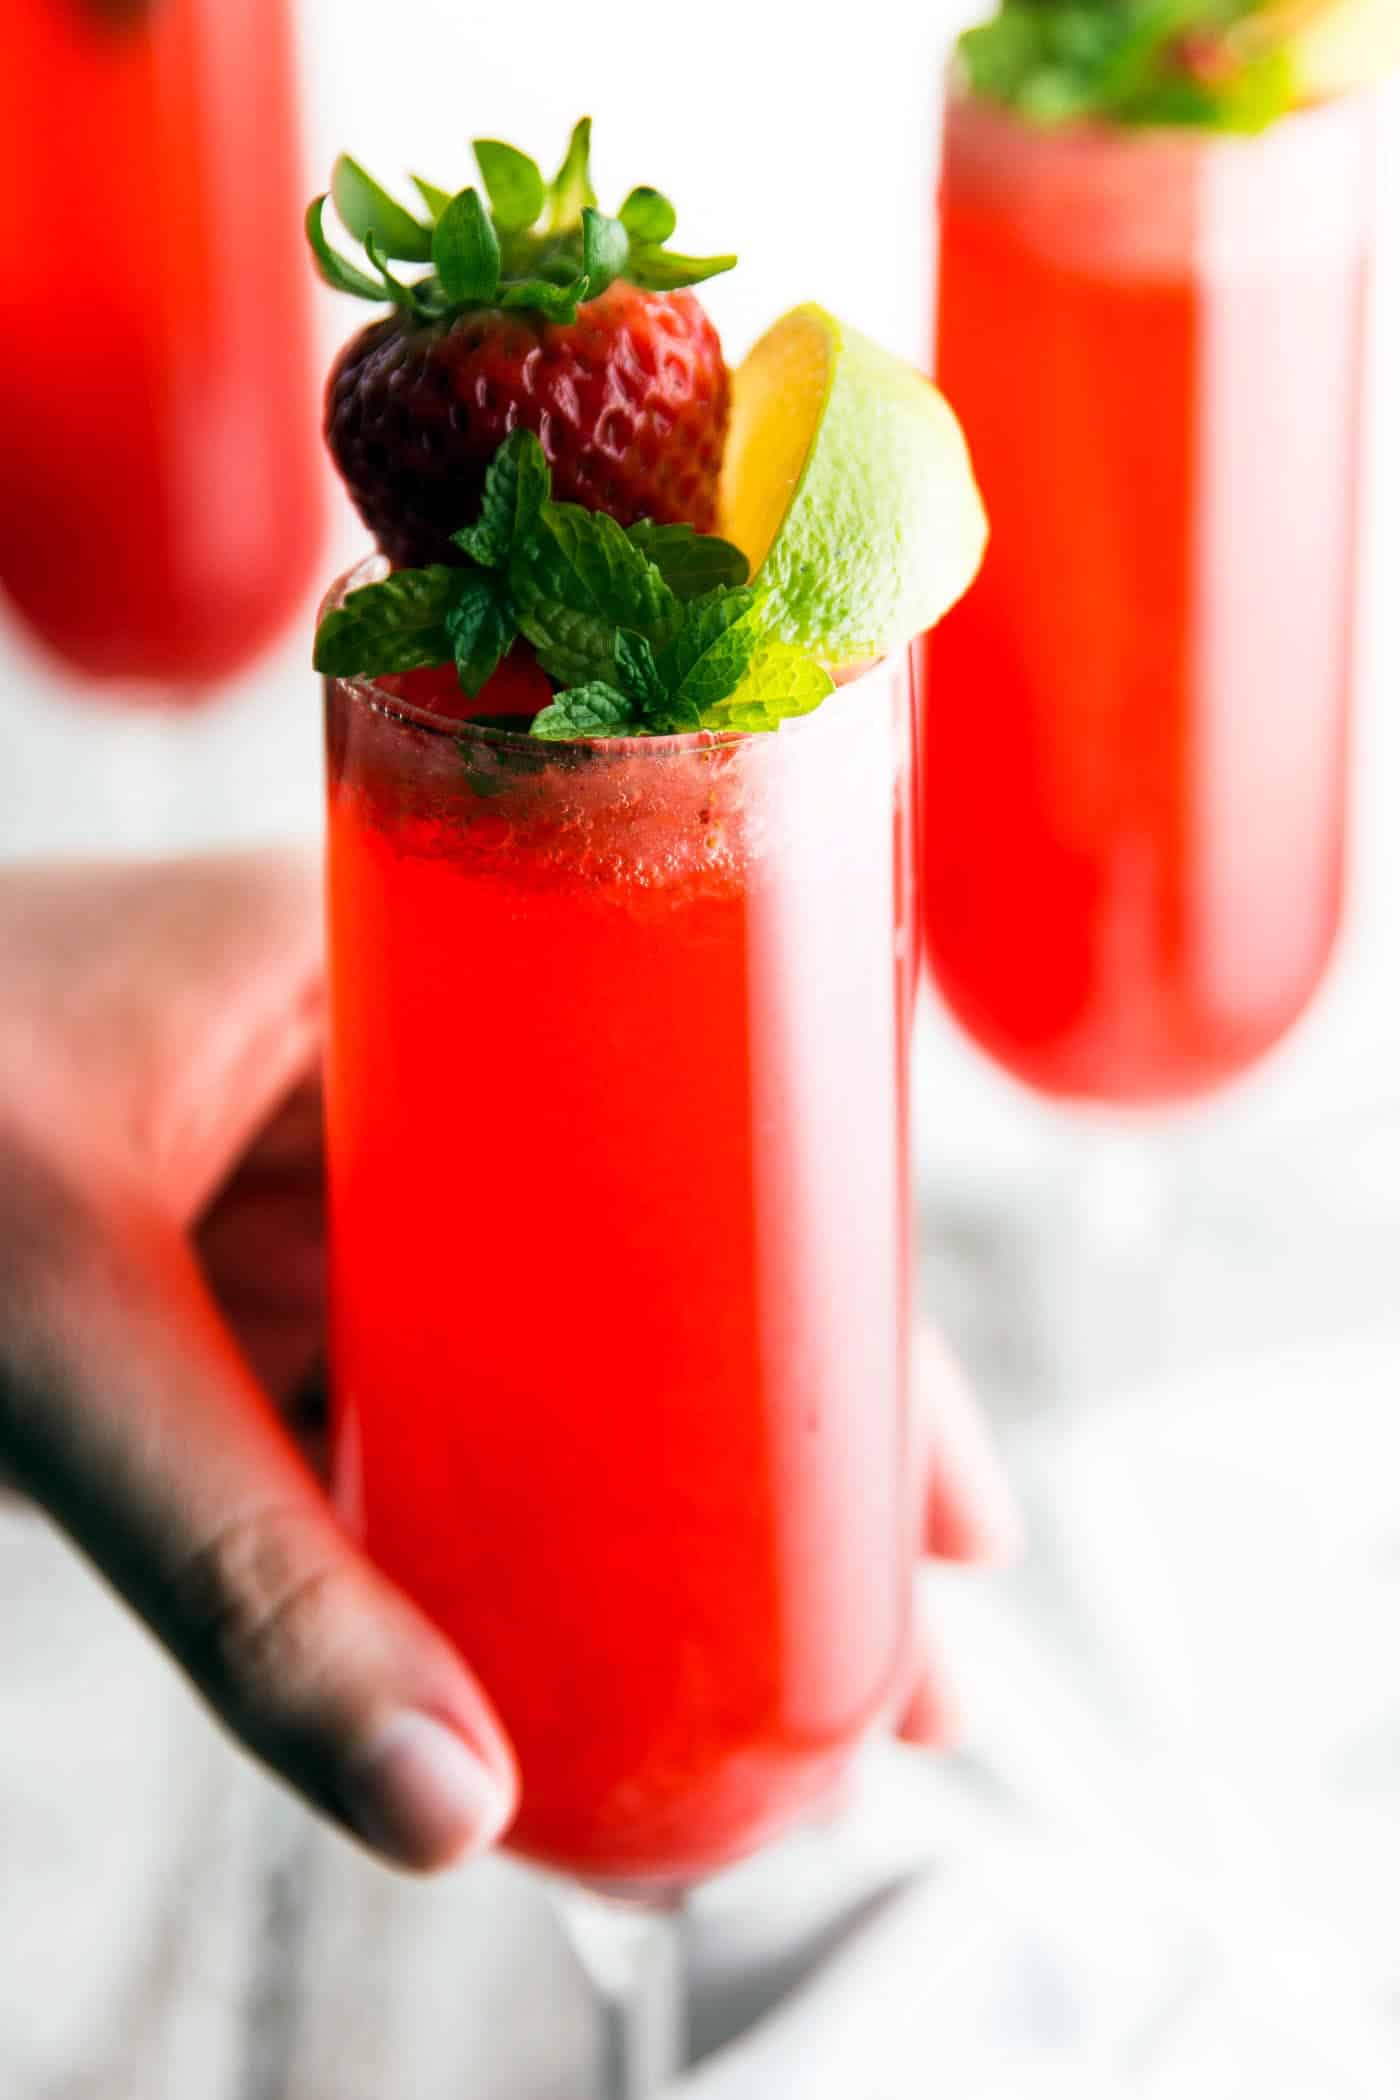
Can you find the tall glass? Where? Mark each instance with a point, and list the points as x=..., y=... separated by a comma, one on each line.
x=160, y=505
x=1136, y=721
x=619, y=1217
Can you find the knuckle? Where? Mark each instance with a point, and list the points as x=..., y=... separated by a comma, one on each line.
x=261, y=1600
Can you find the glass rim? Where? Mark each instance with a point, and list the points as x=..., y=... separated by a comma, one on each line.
x=372, y=568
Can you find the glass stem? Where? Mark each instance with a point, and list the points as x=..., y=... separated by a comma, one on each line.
x=632, y=1952
x=1106, y=1290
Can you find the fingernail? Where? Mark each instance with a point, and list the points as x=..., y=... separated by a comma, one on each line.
x=417, y=1793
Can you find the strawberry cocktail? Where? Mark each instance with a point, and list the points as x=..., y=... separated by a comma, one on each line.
x=616, y=1130
x=1151, y=324
x=621, y=953
x=155, y=335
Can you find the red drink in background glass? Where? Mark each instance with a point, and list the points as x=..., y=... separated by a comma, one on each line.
x=160, y=503
x=619, y=1211
x=1135, y=724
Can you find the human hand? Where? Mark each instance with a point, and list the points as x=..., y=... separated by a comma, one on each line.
x=161, y=1303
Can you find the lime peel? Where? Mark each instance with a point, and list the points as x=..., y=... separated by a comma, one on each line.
x=847, y=483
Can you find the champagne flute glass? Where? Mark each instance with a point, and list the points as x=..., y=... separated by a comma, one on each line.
x=160, y=507
x=1134, y=839
x=620, y=1275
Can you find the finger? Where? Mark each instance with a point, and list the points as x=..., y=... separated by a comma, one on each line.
x=261, y=1244
x=180, y=1002
x=970, y=1511
x=128, y=1412
x=929, y=1713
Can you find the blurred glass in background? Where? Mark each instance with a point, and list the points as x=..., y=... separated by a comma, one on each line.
x=1135, y=838
x=160, y=509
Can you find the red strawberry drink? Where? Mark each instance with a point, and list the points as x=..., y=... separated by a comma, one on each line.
x=620, y=985
x=160, y=499
x=619, y=1210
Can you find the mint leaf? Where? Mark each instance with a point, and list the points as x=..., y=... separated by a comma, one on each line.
x=779, y=682
x=658, y=269
x=436, y=200
x=466, y=252
x=648, y=216
x=1182, y=62
x=576, y=583
x=692, y=562
x=605, y=250
x=513, y=183
x=572, y=187
x=397, y=625
x=636, y=670
x=480, y=628
x=340, y=275
x=515, y=492
x=594, y=709
x=710, y=654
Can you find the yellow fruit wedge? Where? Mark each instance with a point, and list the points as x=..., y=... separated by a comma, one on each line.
x=1334, y=46
x=847, y=484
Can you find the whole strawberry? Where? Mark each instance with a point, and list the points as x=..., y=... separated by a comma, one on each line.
x=539, y=312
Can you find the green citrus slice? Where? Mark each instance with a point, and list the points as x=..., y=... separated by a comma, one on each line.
x=847, y=484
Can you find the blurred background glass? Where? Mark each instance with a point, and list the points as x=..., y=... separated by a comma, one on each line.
x=1165, y=1859
x=162, y=487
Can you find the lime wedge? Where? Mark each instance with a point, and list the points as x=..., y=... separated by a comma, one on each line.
x=847, y=484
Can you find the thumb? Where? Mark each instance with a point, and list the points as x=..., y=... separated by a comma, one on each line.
x=127, y=1411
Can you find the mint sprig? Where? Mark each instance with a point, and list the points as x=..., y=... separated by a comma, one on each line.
x=652, y=631
x=1135, y=62
x=531, y=244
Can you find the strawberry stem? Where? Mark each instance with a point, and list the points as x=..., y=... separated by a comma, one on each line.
x=534, y=245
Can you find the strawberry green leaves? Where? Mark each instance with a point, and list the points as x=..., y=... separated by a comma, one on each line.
x=648, y=216
x=339, y=274
x=466, y=252
x=572, y=187
x=366, y=209
x=652, y=631
x=436, y=200
x=512, y=182
x=534, y=245
x=605, y=250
